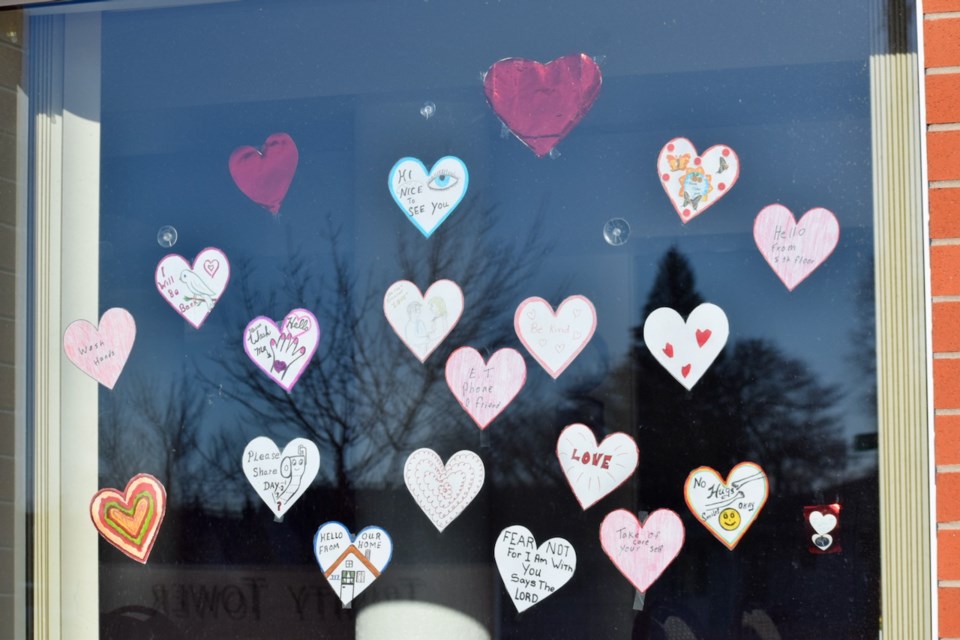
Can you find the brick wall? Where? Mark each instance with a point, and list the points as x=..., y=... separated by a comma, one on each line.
x=941, y=29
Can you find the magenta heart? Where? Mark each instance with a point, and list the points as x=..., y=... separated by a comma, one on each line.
x=265, y=176
x=642, y=552
x=542, y=103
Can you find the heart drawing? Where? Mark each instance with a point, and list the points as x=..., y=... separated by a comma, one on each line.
x=193, y=289
x=727, y=508
x=795, y=249
x=423, y=321
x=443, y=491
x=594, y=470
x=555, y=339
x=351, y=563
x=484, y=389
x=694, y=182
x=642, y=551
x=265, y=175
x=102, y=351
x=428, y=197
x=531, y=573
x=686, y=349
x=282, y=351
x=130, y=520
x=280, y=478
x=542, y=103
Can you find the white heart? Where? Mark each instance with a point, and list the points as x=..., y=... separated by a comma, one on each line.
x=531, y=573
x=685, y=349
x=422, y=322
x=594, y=470
x=443, y=492
x=282, y=351
x=555, y=339
x=428, y=197
x=727, y=508
x=351, y=563
x=692, y=181
x=822, y=541
x=193, y=291
x=280, y=478
x=823, y=523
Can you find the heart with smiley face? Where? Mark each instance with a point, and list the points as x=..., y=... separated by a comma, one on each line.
x=727, y=508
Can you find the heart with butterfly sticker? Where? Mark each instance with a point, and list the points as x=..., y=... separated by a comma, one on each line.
x=696, y=181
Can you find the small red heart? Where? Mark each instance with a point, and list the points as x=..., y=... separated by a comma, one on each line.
x=685, y=371
x=668, y=350
x=703, y=336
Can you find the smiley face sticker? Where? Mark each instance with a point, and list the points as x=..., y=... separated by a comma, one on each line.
x=727, y=508
x=730, y=519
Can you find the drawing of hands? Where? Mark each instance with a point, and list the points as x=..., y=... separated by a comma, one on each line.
x=292, y=469
x=285, y=353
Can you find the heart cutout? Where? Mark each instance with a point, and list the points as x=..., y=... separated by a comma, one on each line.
x=102, y=351
x=193, y=291
x=594, y=470
x=280, y=478
x=351, y=563
x=694, y=182
x=265, y=176
x=443, y=491
x=428, y=197
x=642, y=552
x=422, y=322
x=697, y=341
x=282, y=351
x=130, y=520
x=555, y=339
x=727, y=508
x=484, y=389
x=542, y=103
x=531, y=573
x=794, y=249
x=822, y=540
x=823, y=523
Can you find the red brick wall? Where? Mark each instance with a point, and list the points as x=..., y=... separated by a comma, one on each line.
x=941, y=31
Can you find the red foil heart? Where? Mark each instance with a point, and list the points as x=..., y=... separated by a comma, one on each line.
x=265, y=176
x=542, y=103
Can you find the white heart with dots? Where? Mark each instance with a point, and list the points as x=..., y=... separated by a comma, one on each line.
x=695, y=181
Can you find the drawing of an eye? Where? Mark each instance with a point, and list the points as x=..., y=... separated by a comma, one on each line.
x=442, y=181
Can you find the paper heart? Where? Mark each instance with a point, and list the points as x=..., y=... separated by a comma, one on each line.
x=822, y=540
x=193, y=291
x=542, y=103
x=282, y=352
x=694, y=182
x=727, y=508
x=484, y=389
x=443, y=492
x=555, y=339
x=531, y=573
x=422, y=322
x=351, y=563
x=101, y=351
x=642, y=551
x=280, y=478
x=686, y=349
x=795, y=249
x=265, y=176
x=130, y=520
x=428, y=197
x=594, y=470
x=823, y=523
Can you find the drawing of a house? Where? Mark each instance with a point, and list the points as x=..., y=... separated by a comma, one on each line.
x=343, y=571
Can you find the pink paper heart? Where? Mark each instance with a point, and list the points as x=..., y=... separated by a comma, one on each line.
x=101, y=352
x=542, y=103
x=642, y=552
x=265, y=177
x=795, y=249
x=485, y=389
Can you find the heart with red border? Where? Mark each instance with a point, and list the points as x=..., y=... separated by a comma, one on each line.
x=542, y=103
x=130, y=520
x=642, y=552
x=696, y=181
x=264, y=175
x=794, y=249
x=727, y=508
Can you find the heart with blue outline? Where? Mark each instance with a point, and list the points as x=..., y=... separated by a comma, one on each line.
x=428, y=197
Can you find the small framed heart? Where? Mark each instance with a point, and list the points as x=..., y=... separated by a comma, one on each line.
x=823, y=528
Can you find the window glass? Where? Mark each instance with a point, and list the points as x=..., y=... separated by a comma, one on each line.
x=784, y=85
